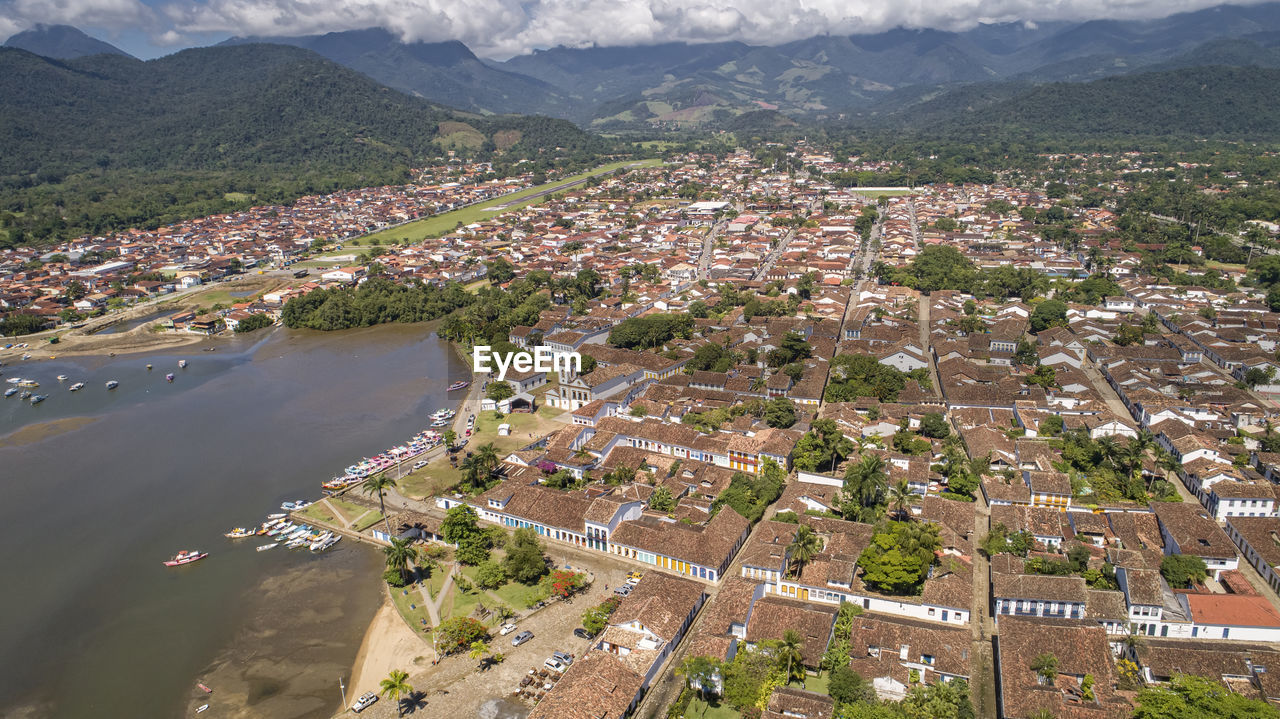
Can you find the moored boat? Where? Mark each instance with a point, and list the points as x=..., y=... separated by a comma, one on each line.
x=186, y=557
x=206, y=689
x=112, y=384
x=11, y=392
x=202, y=709
x=28, y=383
x=239, y=532
x=460, y=384
x=62, y=378
x=265, y=547
x=169, y=376
x=37, y=399
x=279, y=515
x=182, y=364
x=76, y=387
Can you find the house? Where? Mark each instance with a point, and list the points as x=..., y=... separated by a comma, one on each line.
x=649, y=623
x=1081, y=651
x=1249, y=617
x=1187, y=529
x=789, y=703
x=1259, y=541
x=597, y=686
x=772, y=616
x=1034, y=595
x=895, y=653
x=602, y=383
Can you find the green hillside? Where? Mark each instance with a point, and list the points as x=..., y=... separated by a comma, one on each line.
x=106, y=142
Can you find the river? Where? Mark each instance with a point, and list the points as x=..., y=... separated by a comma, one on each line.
x=99, y=487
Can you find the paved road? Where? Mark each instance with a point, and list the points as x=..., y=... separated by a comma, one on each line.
x=708, y=244
x=772, y=258
x=559, y=187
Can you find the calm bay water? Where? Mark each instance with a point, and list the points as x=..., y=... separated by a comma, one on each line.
x=99, y=487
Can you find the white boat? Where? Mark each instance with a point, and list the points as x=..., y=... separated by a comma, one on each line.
x=280, y=515
x=112, y=384
x=182, y=364
x=203, y=708
x=76, y=387
x=14, y=380
x=11, y=392
x=62, y=378
x=265, y=547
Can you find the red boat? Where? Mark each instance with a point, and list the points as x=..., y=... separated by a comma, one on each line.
x=182, y=558
x=206, y=689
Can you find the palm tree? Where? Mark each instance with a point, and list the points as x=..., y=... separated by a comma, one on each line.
x=1109, y=449
x=396, y=685
x=486, y=457
x=399, y=555
x=900, y=497
x=866, y=480
x=804, y=547
x=789, y=653
x=380, y=484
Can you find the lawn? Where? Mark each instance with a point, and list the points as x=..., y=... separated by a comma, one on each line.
x=415, y=615
x=368, y=520
x=520, y=596
x=351, y=509
x=438, y=476
x=698, y=708
x=320, y=513
x=443, y=224
x=816, y=684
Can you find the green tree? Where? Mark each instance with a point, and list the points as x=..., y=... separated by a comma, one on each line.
x=1044, y=376
x=862, y=494
x=1050, y=313
x=459, y=523
x=780, y=412
x=790, y=655
x=525, y=561
x=700, y=673
x=473, y=550
x=399, y=555
x=661, y=500
x=490, y=575
x=1192, y=697
x=1046, y=668
x=498, y=391
x=396, y=686
x=1180, y=570
x=1026, y=354
x=380, y=484
x=848, y=687
x=804, y=546
x=595, y=619
x=899, y=556
x=935, y=426
x=458, y=633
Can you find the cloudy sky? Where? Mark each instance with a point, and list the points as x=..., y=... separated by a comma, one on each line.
x=501, y=28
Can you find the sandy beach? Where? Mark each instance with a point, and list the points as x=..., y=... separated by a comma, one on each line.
x=388, y=644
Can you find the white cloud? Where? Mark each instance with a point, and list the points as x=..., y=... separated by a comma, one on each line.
x=499, y=28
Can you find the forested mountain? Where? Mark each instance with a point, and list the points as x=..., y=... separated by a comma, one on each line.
x=117, y=142
x=1196, y=102
x=61, y=42
x=443, y=72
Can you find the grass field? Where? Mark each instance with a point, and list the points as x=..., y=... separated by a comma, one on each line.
x=519, y=596
x=699, y=708
x=443, y=224
x=438, y=476
x=320, y=513
x=413, y=615
x=370, y=518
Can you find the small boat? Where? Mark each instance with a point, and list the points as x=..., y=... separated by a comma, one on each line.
x=25, y=395
x=210, y=349
x=28, y=383
x=265, y=547
x=186, y=557
x=26, y=356
x=203, y=708
x=14, y=380
x=11, y=392
x=62, y=378
x=280, y=515
x=76, y=387
x=440, y=423
x=205, y=689
x=169, y=376
x=239, y=532
x=112, y=384
x=460, y=384
x=148, y=366
x=182, y=364
x=37, y=399
x=295, y=506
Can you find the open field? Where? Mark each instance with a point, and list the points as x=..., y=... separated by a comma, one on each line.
x=442, y=224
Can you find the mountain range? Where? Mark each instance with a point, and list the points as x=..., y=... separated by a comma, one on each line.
x=821, y=78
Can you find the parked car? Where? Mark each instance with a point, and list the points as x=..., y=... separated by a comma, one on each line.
x=582, y=633
x=555, y=665
x=507, y=629
x=365, y=701
x=634, y=577
x=521, y=638
x=622, y=591
x=564, y=658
